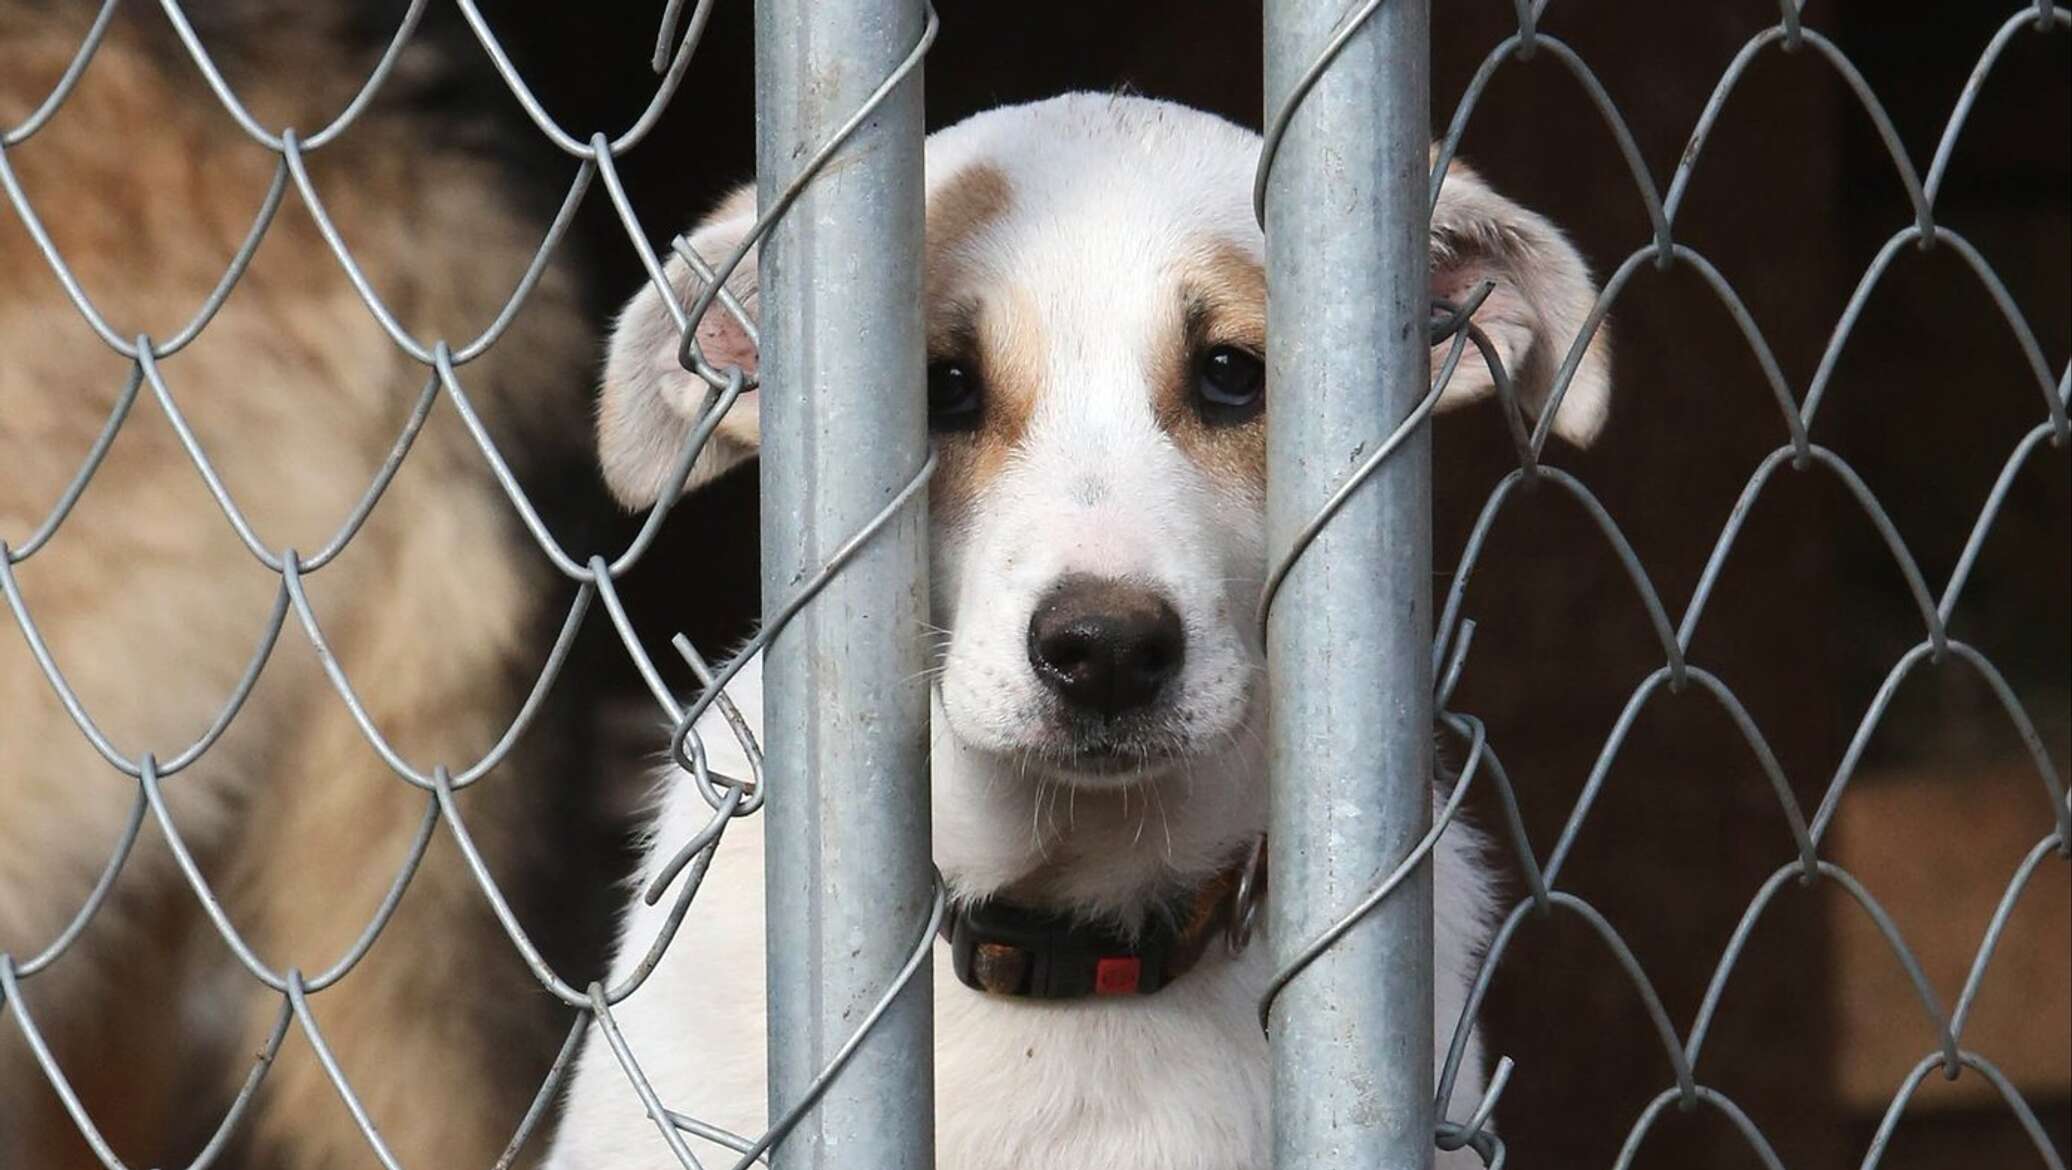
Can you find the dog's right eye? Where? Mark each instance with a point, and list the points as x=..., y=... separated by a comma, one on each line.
x=954, y=397
x=1229, y=385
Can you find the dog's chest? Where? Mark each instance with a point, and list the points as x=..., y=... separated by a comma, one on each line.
x=1173, y=1081
x=1176, y=1080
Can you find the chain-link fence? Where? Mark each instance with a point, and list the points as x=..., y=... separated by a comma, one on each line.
x=1800, y=847
x=1327, y=64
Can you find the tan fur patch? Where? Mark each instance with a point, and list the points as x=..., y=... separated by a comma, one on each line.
x=1222, y=301
x=963, y=206
x=993, y=328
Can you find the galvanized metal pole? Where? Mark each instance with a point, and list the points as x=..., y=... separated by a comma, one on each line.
x=848, y=880
x=1349, y=638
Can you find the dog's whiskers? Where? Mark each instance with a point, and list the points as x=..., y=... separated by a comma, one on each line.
x=1165, y=822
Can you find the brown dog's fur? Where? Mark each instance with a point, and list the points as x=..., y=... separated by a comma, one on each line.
x=152, y=607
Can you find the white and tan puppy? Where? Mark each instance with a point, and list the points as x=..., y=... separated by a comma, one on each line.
x=1096, y=310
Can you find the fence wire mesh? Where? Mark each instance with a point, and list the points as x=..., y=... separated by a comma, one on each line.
x=445, y=361
x=595, y=575
x=1800, y=849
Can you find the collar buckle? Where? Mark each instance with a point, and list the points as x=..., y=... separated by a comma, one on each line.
x=1246, y=899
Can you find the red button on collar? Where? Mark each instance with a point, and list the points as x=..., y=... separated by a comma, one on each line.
x=1117, y=976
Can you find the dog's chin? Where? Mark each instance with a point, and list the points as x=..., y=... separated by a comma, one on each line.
x=1107, y=767
x=1071, y=755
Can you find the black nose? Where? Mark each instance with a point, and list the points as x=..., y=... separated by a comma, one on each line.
x=1106, y=647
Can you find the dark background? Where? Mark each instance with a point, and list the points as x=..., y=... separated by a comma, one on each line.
x=1792, y=198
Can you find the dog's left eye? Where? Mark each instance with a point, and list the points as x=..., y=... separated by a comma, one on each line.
x=1229, y=384
x=954, y=397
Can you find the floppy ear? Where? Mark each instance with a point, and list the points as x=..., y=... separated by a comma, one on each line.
x=1543, y=294
x=650, y=404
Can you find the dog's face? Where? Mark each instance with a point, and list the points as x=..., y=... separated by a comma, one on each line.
x=1096, y=315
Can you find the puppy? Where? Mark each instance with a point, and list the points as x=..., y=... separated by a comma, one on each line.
x=1095, y=303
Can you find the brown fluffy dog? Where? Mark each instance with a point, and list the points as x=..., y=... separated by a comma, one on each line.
x=152, y=607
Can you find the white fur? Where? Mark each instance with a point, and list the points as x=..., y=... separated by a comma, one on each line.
x=1106, y=193
x=1172, y=1081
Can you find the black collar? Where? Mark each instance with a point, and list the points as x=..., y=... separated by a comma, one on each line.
x=1003, y=948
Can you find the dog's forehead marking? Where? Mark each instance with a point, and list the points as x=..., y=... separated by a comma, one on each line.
x=961, y=208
